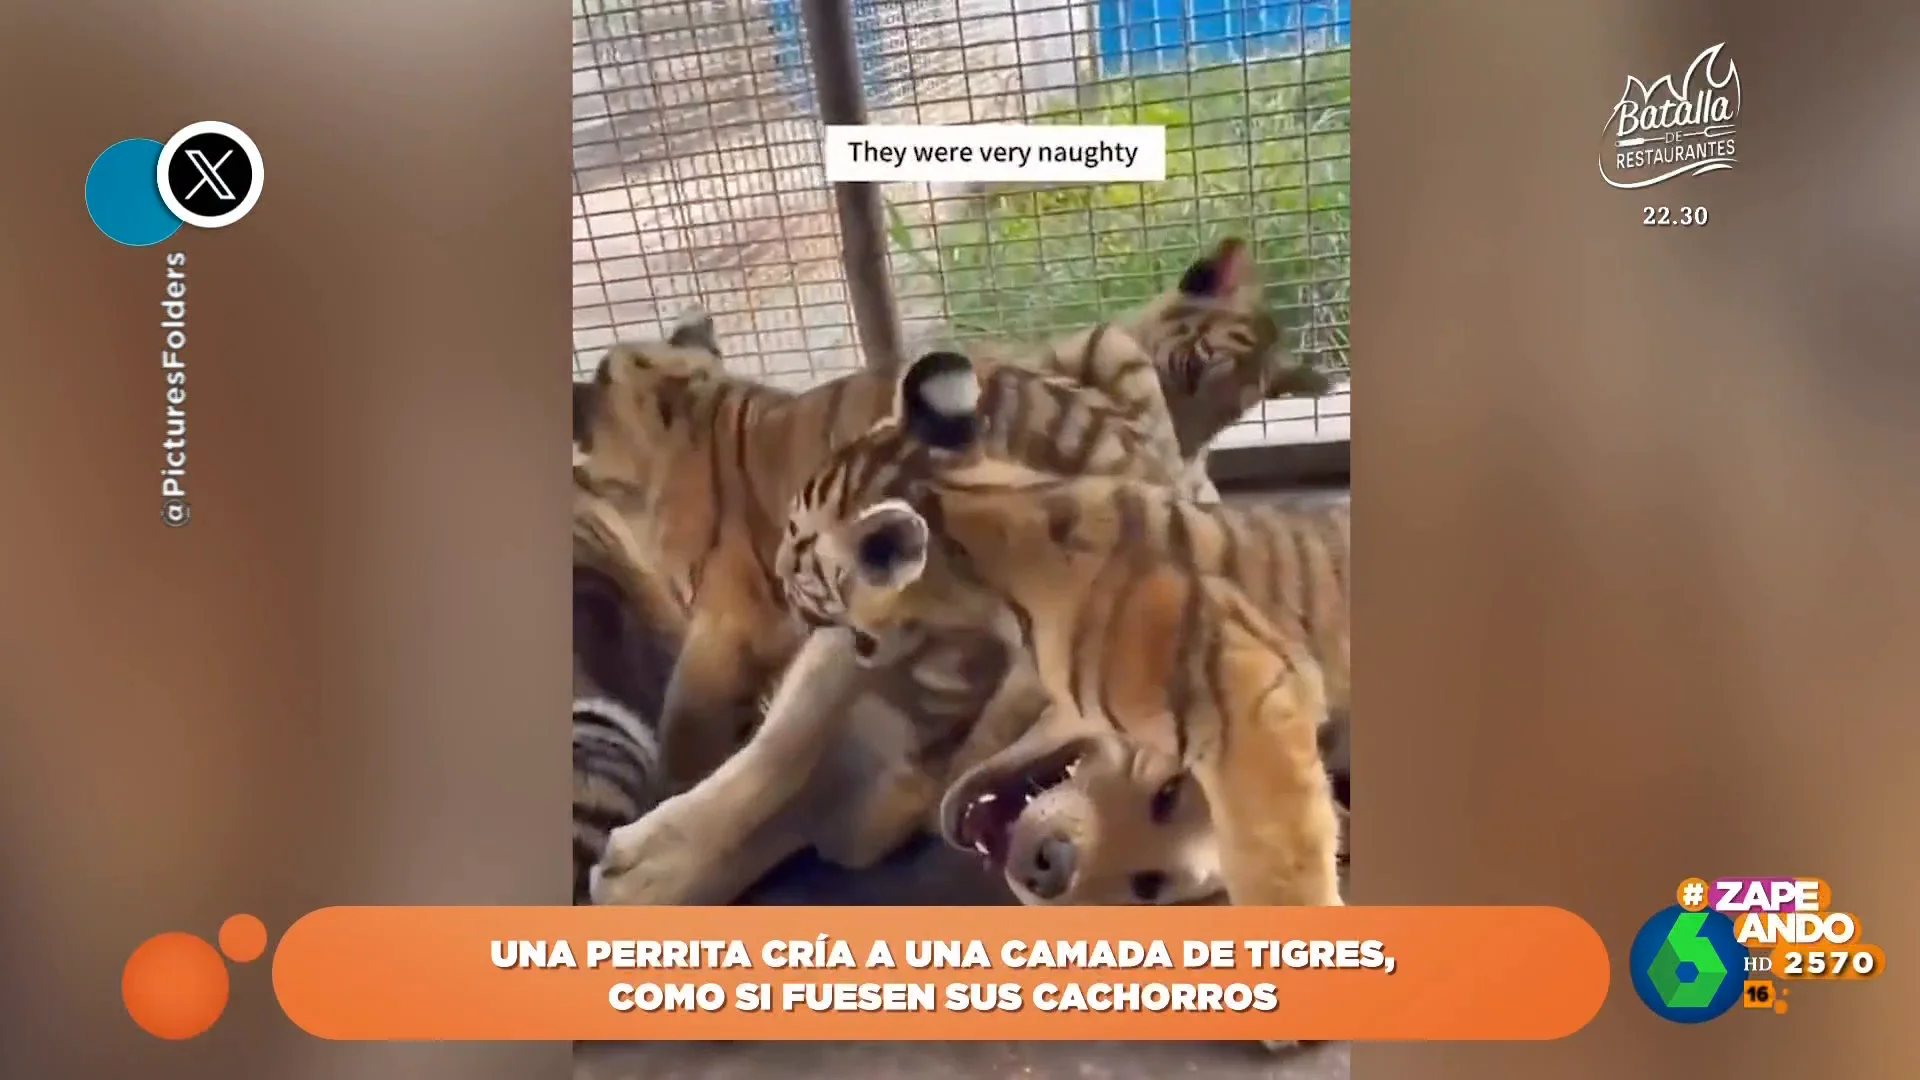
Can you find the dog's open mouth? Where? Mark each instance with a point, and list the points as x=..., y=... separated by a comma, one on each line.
x=983, y=817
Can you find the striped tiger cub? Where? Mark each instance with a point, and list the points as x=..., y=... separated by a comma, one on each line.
x=1217, y=635
x=1215, y=347
x=703, y=465
x=627, y=632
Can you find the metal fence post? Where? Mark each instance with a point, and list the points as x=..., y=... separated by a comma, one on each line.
x=863, y=234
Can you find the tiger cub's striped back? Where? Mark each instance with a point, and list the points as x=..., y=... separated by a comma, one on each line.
x=1290, y=557
x=1216, y=634
x=702, y=465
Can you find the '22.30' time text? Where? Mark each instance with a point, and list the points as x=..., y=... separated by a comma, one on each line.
x=1673, y=215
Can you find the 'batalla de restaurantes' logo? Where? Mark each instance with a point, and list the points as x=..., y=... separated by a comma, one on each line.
x=1663, y=129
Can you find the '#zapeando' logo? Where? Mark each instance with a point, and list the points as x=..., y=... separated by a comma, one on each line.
x=1729, y=938
x=1662, y=130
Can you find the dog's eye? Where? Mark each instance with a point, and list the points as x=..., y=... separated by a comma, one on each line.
x=1165, y=801
x=1148, y=885
x=865, y=645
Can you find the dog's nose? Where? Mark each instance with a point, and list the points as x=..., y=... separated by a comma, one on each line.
x=1049, y=868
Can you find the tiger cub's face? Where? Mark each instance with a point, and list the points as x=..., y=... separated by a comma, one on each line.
x=857, y=553
x=633, y=409
x=1216, y=345
x=875, y=575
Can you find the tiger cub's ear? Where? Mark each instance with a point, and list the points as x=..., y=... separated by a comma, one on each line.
x=938, y=401
x=1223, y=272
x=889, y=544
x=694, y=330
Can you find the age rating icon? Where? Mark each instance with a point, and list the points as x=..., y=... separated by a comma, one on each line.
x=140, y=191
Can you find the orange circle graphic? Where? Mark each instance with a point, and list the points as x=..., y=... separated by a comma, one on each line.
x=243, y=938
x=1692, y=894
x=174, y=985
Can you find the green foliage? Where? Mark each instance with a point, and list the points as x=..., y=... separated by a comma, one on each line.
x=1258, y=150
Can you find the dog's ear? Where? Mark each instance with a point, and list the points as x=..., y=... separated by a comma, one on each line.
x=1222, y=273
x=889, y=544
x=694, y=330
x=938, y=401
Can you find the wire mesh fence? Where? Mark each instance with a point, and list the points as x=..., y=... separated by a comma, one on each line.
x=698, y=175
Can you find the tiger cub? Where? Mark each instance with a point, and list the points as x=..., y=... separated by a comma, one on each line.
x=1215, y=347
x=626, y=634
x=704, y=464
x=1215, y=634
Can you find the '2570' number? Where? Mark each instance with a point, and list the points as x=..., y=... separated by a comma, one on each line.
x=1799, y=962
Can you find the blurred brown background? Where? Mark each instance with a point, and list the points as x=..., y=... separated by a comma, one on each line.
x=1640, y=504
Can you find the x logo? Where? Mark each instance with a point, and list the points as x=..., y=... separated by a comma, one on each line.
x=209, y=175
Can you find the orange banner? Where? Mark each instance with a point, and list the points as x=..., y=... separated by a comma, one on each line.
x=744, y=973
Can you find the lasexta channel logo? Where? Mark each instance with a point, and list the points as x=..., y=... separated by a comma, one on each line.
x=1687, y=965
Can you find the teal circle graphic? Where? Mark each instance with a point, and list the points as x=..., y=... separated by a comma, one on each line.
x=1687, y=966
x=123, y=194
